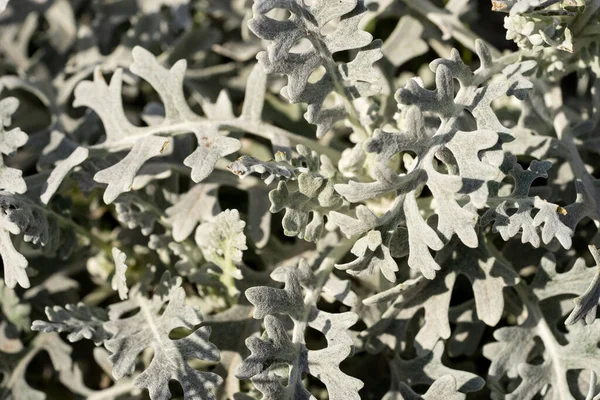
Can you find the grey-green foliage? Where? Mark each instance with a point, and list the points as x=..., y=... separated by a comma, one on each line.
x=146, y=143
x=442, y=388
x=315, y=198
x=38, y=226
x=237, y=199
x=280, y=168
x=127, y=336
x=278, y=362
x=10, y=140
x=457, y=166
x=151, y=328
x=587, y=303
x=488, y=276
x=350, y=80
x=78, y=319
x=119, y=281
x=567, y=30
x=15, y=364
x=222, y=242
x=561, y=352
x=198, y=205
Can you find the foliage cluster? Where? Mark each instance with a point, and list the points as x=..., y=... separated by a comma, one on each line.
x=299, y=199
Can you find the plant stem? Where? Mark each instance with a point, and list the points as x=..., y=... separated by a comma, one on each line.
x=550, y=344
x=322, y=274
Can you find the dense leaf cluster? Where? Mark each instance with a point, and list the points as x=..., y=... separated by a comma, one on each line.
x=299, y=199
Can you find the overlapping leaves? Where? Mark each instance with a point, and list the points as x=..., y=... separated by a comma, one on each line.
x=457, y=166
x=150, y=327
x=350, y=80
x=278, y=362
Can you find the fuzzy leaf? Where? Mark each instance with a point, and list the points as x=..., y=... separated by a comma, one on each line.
x=521, y=222
x=222, y=242
x=279, y=169
x=442, y=388
x=134, y=214
x=10, y=178
x=19, y=215
x=150, y=328
x=149, y=142
x=76, y=156
x=405, y=42
x=350, y=80
x=488, y=275
x=119, y=282
x=470, y=158
x=14, y=385
x=200, y=204
x=576, y=349
x=315, y=196
x=428, y=368
x=275, y=350
x=587, y=303
x=78, y=319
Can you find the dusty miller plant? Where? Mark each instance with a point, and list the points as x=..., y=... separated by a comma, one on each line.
x=299, y=199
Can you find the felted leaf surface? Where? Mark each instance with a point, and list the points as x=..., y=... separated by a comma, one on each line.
x=152, y=141
x=229, y=331
x=444, y=185
x=551, y=375
x=521, y=222
x=575, y=350
x=19, y=215
x=405, y=42
x=14, y=385
x=314, y=199
x=222, y=242
x=548, y=282
x=277, y=350
x=350, y=80
x=550, y=221
x=150, y=328
x=442, y=388
x=314, y=176
x=371, y=254
x=280, y=168
x=12, y=309
x=200, y=204
x=11, y=179
x=119, y=281
x=470, y=158
x=79, y=320
x=134, y=214
x=428, y=367
x=488, y=275
x=587, y=303
x=466, y=337
x=76, y=156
